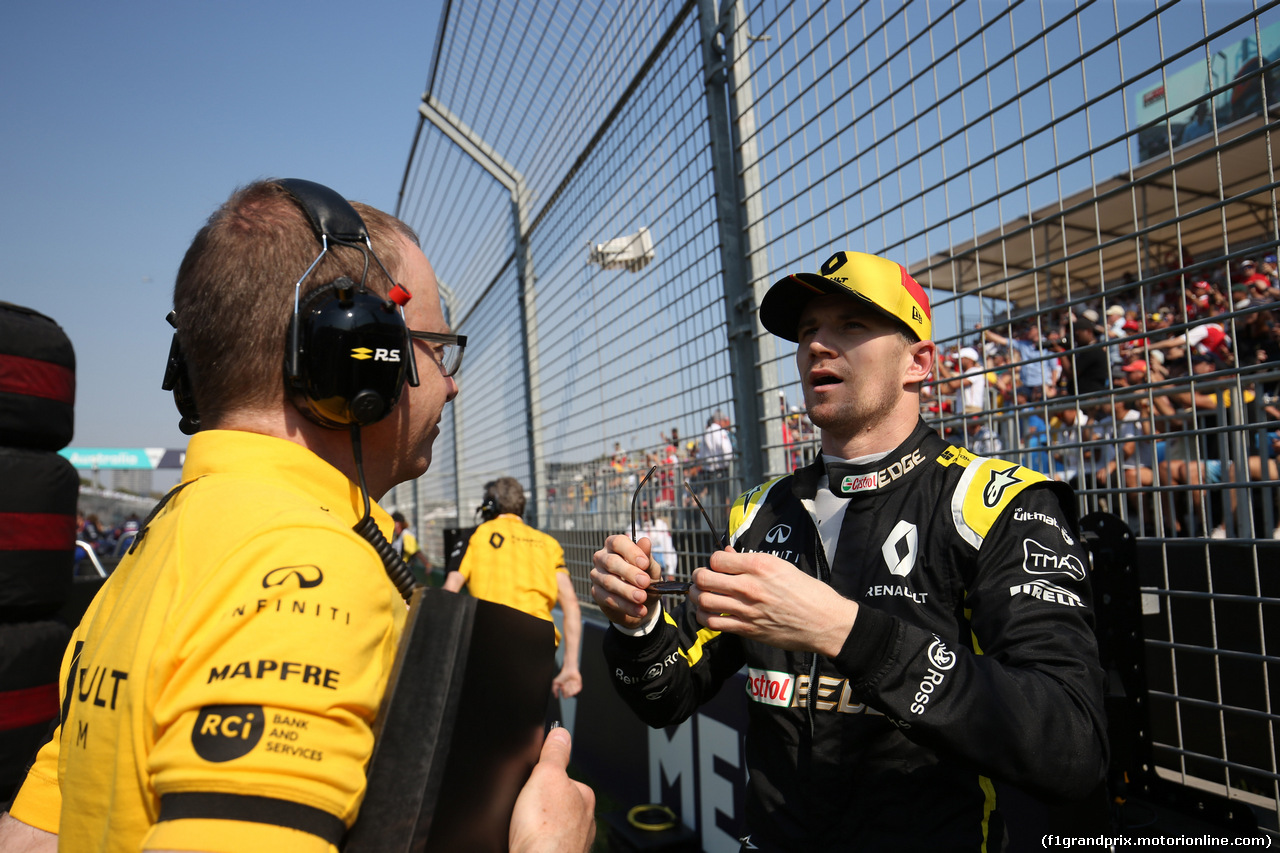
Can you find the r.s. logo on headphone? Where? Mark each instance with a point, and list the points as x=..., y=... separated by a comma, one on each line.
x=377, y=354
x=307, y=576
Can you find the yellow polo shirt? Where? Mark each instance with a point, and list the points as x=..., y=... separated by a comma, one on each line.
x=219, y=693
x=510, y=563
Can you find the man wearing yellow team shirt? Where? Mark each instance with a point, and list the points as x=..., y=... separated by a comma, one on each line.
x=221, y=690
x=508, y=562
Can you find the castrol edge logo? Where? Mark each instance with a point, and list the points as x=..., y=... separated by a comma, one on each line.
x=770, y=688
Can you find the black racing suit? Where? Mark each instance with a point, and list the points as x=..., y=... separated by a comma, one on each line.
x=972, y=656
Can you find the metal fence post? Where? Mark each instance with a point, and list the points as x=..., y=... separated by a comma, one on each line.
x=502, y=171
x=529, y=327
x=740, y=314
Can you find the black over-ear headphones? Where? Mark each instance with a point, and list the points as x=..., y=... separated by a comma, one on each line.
x=489, y=508
x=347, y=351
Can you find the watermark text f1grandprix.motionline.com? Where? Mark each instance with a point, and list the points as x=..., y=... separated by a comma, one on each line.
x=1107, y=841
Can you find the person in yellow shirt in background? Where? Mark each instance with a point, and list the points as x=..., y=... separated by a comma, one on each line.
x=508, y=562
x=406, y=545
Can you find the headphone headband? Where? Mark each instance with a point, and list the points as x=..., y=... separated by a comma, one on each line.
x=331, y=216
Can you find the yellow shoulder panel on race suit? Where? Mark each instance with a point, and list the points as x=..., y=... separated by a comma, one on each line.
x=747, y=505
x=985, y=489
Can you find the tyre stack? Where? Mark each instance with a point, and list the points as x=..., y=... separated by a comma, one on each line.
x=39, y=491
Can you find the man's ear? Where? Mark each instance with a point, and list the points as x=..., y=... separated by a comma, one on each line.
x=923, y=354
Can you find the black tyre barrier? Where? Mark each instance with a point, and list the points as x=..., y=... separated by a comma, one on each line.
x=30, y=654
x=37, y=380
x=38, y=494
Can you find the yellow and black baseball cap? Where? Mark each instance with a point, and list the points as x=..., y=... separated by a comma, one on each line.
x=878, y=282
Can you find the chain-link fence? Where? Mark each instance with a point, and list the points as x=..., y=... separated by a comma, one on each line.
x=1086, y=190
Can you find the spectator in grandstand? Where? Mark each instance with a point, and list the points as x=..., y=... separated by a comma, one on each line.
x=966, y=380
x=715, y=455
x=1086, y=370
x=1035, y=373
x=1268, y=269
x=838, y=595
x=1070, y=431
x=1261, y=285
x=1035, y=437
x=222, y=715
x=508, y=562
x=661, y=548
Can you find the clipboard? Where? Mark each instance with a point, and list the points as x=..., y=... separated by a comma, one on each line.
x=460, y=728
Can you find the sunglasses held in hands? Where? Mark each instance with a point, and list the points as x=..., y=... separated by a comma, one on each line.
x=671, y=587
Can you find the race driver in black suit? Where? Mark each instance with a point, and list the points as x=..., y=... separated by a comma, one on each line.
x=915, y=620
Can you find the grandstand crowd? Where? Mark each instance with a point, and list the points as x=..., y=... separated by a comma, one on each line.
x=1131, y=398
x=1144, y=402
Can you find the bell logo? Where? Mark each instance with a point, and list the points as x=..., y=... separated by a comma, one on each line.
x=362, y=353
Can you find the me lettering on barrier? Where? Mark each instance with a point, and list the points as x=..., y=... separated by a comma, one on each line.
x=215, y=693
x=856, y=592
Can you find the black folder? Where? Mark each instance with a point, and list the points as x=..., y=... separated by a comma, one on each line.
x=460, y=728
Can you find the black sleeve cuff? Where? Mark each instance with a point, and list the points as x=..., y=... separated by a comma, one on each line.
x=243, y=807
x=869, y=645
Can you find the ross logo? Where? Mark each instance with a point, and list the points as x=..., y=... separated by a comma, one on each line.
x=779, y=533
x=496, y=540
x=362, y=353
x=1046, y=591
x=999, y=483
x=227, y=732
x=769, y=687
x=940, y=656
x=899, y=550
x=308, y=576
x=1039, y=560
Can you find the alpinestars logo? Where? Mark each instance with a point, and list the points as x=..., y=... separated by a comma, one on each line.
x=779, y=534
x=899, y=549
x=998, y=484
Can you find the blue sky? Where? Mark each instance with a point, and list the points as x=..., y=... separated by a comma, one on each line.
x=125, y=124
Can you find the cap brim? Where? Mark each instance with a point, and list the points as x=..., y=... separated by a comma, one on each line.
x=785, y=301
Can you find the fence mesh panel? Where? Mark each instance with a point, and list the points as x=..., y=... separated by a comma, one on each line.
x=1086, y=190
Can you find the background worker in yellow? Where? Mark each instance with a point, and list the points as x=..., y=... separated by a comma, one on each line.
x=508, y=562
x=220, y=692
x=406, y=545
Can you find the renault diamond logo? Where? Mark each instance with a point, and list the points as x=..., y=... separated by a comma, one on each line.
x=362, y=353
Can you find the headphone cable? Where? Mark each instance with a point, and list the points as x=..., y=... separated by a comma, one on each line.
x=396, y=568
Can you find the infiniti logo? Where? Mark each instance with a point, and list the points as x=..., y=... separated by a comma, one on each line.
x=780, y=533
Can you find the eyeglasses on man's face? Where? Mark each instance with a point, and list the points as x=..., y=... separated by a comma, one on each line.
x=445, y=349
